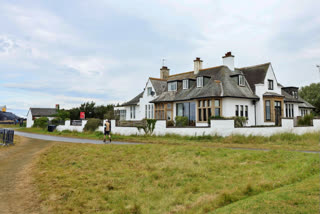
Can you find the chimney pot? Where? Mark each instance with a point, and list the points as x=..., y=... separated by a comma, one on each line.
x=228, y=60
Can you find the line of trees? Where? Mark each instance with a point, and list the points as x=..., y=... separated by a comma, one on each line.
x=91, y=111
x=311, y=94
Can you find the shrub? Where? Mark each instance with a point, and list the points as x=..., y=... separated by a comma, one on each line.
x=306, y=120
x=56, y=121
x=149, y=126
x=92, y=124
x=181, y=121
x=41, y=122
x=240, y=121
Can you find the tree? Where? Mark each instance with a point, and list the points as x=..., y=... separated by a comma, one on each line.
x=311, y=94
x=63, y=114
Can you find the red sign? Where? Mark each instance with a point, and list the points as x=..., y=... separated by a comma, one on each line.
x=82, y=115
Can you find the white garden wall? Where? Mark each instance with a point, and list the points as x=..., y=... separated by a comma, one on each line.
x=221, y=128
x=67, y=126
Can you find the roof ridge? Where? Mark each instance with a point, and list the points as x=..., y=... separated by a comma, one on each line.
x=152, y=78
x=255, y=65
x=181, y=73
x=211, y=67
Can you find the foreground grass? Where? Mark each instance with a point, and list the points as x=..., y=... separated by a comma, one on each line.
x=77, y=178
x=284, y=141
x=301, y=197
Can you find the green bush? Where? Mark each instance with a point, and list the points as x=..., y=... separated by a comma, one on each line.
x=306, y=120
x=41, y=122
x=239, y=121
x=56, y=121
x=148, y=126
x=92, y=124
x=181, y=121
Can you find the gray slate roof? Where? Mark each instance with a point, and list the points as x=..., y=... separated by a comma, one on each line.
x=289, y=98
x=222, y=83
x=43, y=112
x=255, y=74
x=134, y=101
x=159, y=85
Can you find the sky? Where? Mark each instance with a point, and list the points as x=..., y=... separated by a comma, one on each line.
x=71, y=52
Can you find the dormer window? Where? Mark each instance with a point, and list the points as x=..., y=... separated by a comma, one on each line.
x=185, y=84
x=199, y=82
x=270, y=84
x=295, y=94
x=172, y=86
x=149, y=91
x=241, y=80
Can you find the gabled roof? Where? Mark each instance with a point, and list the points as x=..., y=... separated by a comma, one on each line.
x=255, y=74
x=159, y=85
x=43, y=112
x=220, y=84
x=134, y=101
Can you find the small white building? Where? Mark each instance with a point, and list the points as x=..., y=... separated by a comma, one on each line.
x=35, y=113
x=223, y=91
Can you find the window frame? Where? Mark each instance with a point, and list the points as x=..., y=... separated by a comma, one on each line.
x=241, y=81
x=270, y=86
x=170, y=84
x=149, y=91
x=266, y=110
x=185, y=84
x=200, y=82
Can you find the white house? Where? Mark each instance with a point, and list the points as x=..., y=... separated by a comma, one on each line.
x=223, y=91
x=35, y=113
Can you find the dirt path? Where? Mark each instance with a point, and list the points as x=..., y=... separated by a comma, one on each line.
x=16, y=190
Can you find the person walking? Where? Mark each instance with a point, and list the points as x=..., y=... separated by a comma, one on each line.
x=107, y=131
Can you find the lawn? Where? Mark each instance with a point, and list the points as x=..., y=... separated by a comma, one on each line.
x=284, y=141
x=83, y=178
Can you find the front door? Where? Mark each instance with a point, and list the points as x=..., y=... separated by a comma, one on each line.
x=277, y=112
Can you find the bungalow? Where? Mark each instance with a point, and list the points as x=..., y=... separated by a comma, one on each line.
x=35, y=113
x=223, y=91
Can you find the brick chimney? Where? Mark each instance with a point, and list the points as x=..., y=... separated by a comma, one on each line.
x=164, y=72
x=197, y=65
x=228, y=60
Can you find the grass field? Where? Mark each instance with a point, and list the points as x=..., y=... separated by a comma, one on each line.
x=285, y=141
x=78, y=178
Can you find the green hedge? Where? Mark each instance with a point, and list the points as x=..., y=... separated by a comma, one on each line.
x=181, y=121
x=92, y=124
x=41, y=122
x=306, y=120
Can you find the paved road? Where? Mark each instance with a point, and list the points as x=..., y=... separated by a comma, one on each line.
x=65, y=139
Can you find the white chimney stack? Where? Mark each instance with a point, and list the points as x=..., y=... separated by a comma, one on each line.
x=197, y=65
x=228, y=60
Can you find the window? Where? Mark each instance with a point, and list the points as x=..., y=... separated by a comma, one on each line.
x=292, y=110
x=172, y=86
x=146, y=113
x=122, y=114
x=270, y=84
x=246, y=112
x=149, y=91
x=241, y=110
x=185, y=84
x=208, y=108
x=199, y=82
x=159, y=111
x=149, y=111
x=287, y=110
x=295, y=94
x=237, y=111
x=241, y=80
x=132, y=112
x=217, y=108
x=268, y=110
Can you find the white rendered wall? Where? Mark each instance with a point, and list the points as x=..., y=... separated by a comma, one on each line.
x=67, y=126
x=222, y=128
x=229, y=108
x=29, y=120
x=263, y=88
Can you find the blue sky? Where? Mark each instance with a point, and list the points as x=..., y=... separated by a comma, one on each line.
x=70, y=52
